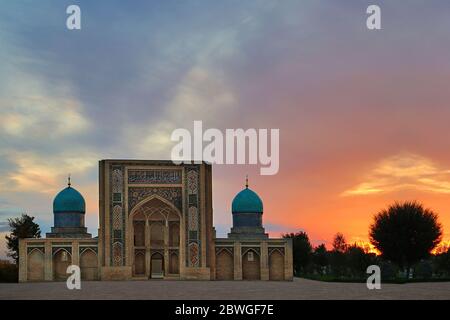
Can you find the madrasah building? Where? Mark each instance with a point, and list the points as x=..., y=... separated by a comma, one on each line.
x=155, y=222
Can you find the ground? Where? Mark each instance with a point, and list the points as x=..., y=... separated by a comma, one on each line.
x=259, y=290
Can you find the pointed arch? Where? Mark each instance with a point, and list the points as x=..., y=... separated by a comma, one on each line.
x=276, y=265
x=89, y=264
x=224, y=264
x=140, y=204
x=35, y=265
x=139, y=263
x=251, y=265
x=62, y=258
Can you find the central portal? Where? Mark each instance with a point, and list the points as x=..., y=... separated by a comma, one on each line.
x=156, y=235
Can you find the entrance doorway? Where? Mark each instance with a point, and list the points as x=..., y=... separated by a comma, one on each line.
x=157, y=266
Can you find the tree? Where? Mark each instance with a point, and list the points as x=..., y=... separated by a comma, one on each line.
x=302, y=250
x=442, y=263
x=337, y=255
x=339, y=243
x=22, y=227
x=405, y=233
x=320, y=258
x=358, y=260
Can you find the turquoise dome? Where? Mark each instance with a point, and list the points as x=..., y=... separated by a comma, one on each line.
x=69, y=200
x=247, y=201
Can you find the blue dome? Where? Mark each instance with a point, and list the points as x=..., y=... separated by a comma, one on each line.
x=247, y=201
x=69, y=200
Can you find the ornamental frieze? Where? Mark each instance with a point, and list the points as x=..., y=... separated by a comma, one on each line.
x=171, y=194
x=155, y=176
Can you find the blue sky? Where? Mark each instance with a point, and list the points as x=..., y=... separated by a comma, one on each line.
x=345, y=99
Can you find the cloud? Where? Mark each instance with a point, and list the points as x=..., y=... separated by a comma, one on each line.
x=44, y=173
x=39, y=116
x=4, y=227
x=202, y=94
x=403, y=171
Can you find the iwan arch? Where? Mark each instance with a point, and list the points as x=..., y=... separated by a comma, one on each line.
x=156, y=222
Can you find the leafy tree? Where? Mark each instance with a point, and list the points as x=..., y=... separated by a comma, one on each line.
x=358, y=260
x=405, y=233
x=337, y=255
x=302, y=251
x=339, y=243
x=423, y=270
x=442, y=263
x=389, y=271
x=320, y=258
x=22, y=227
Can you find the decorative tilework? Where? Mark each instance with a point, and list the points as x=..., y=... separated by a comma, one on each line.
x=193, y=254
x=117, y=217
x=117, y=180
x=154, y=176
x=137, y=194
x=193, y=219
x=192, y=181
x=193, y=216
x=117, y=254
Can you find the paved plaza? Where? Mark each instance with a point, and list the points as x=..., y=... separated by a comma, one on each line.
x=203, y=290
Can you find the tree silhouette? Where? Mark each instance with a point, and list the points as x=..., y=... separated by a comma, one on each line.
x=337, y=255
x=22, y=227
x=301, y=251
x=320, y=258
x=339, y=243
x=405, y=233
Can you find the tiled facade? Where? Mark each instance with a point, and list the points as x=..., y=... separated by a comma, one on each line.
x=155, y=221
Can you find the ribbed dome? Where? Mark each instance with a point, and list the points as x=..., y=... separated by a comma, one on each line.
x=69, y=200
x=247, y=201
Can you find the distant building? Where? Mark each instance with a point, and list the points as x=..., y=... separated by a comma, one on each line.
x=156, y=221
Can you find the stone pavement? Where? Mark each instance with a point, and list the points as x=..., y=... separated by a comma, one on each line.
x=203, y=290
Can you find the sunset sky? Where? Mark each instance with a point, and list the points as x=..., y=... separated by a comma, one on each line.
x=364, y=116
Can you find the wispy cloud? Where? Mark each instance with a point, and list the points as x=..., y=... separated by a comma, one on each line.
x=403, y=171
x=43, y=173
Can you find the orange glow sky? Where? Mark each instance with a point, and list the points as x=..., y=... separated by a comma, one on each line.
x=363, y=115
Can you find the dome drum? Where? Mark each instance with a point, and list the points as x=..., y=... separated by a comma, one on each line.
x=247, y=210
x=69, y=210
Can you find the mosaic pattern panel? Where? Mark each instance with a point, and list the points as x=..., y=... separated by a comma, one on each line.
x=154, y=176
x=117, y=254
x=193, y=216
x=117, y=222
x=171, y=194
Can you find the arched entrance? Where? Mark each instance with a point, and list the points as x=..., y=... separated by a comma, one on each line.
x=251, y=269
x=88, y=265
x=174, y=264
x=276, y=266
x=155, y=234
x=61, y=260
x=157, y=266
x=139, y=264
x=224, y=265
x=35, y=265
